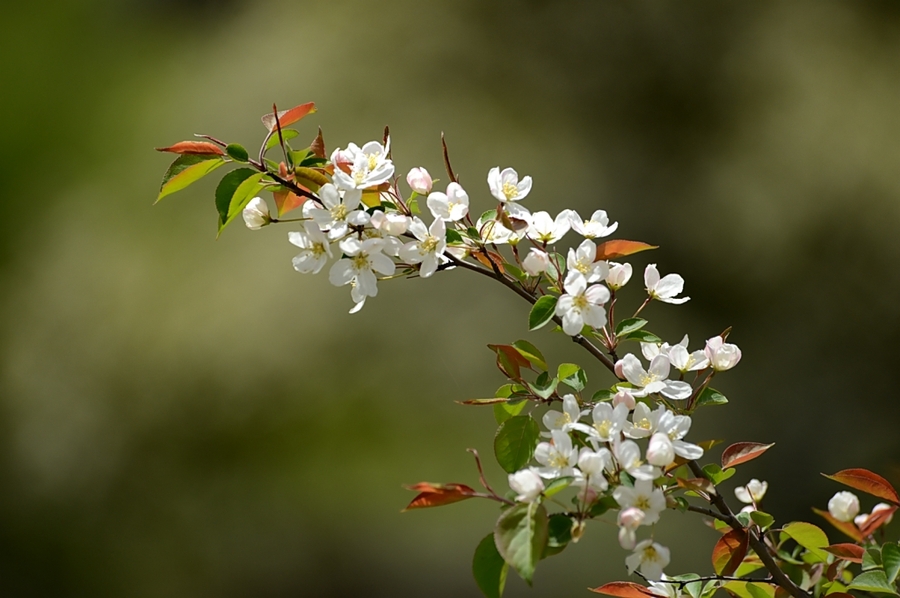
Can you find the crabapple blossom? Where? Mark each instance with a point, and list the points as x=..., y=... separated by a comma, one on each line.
x=722, y=356
x=558, y=457
x=664, y=289
x=506, y=185
x=619, y=275
x=536, y=262
x=592, y=465
x=450, y=206
x=654, y=379
x=676, y=427
x=584, y=261
x=256, y=214
x=685, y=361
x=390, y=223
x=609, y=421
x=567, y=418
x=419, y=181
x=752, y=493
x=644, y=496
x=651, y=350
x=315, y=249
x=843, y=506
x=527, y=483
x=628, y=455
x=629, y=520
x=364, y=258
x=547, y=230
x=581, y=304
x=623, y=397
x=651, y=558
x=644, y=421
x=429, y=247
x=597, y=226
x=493, y=231
x=660, y=451
x=339, y=211
x=361, y=168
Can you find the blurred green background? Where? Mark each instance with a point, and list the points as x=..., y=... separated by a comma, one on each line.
x=181, y=416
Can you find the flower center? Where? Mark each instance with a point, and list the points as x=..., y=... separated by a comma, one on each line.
x=509, y=190
x=648, y=378
x=562, y=419
x=373, y=160
x=650, y=553
x=559, y=461
x=643, y=424
x=643, y=503
x=318, y=249
x=428, y=245
x=582, y=267
x=361, y=261
x=339, y=212
x=580, y=302
x=603, y=427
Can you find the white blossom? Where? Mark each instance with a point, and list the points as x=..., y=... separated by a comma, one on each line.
x=609, y=421
x=315, y=248
x=506, y=186
x=581, y=304
x=558, y=457
x=660, y=451
x=722, y=356
x=651, y=558
x=364, y=258
x=584, y=261
x=419, y=180
x=644, y=496
x=629, y=520
x=685, y=361
x=753, y=492
x=527, y=483
x=450, y=206
x=628, y=455
x=428, y=249
x=340, y=210
x=536, y=262
x=256, y=214
x=563, y=420
x=843, y=506
x=664, y=289
x=654, y=379
x=592, y=465
x=676, y=427
x=597, y=226
x=619, y=275
x=644, y=422
x=361, y=168
x=544, y=229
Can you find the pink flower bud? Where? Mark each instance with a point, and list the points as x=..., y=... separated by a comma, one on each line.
x=619, y=371
x=624, y=397
x=632, y=517
x=722, y=356
x=536, y=262
x=419, y=181
x=660, y=451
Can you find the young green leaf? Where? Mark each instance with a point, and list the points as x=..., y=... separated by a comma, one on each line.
x=559, y=534
x=642, y=336
x=237, y=152
x=873, y=581
x=710, y=396
x=515, y=442
x=246, y=191
x=520, y=536
x=809, y=537
x=531, y=353
x=286, y=134
x=630, y=325
x=890, y=559
x=489, y=569
x=763, y=520
x=225, y=191
x=504, y=411
x=187, y=169
x=544, y=386
x=572, y=375
x=716, y=474
x=558, y=485
x=542, y=312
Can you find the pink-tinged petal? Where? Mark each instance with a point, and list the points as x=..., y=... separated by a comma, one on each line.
x=675, y=389
x=382, y=264
x=575, y=283
x=597, y=294
x=651, y=277
x=669, y=286
x=341, y=273
x=524, y=187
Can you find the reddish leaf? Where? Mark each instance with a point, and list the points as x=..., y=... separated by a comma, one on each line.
x=846, y=551
x=286, y=201
x=436, y=495
x=509, y=360
x=484, y=401
x=623, y=589
x=495, y=259
x=620, y=248
x=288, y=117
x=318, y=145
x=876, y=520
x=868, y=482
x=741, y=452
x=847, y=527
x=193, y=147
x=729, y=551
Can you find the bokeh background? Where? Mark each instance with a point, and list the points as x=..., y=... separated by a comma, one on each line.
x=181, y=416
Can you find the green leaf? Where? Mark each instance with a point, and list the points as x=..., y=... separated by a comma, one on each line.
x=504, y=411
x=603, y=505
x=187, y=169
x=809, y=537
x=873, y=581
x=763, y=520
x=541, y=312
x=515, y=442
x=246, y=191
x=757, y=592
x=603, y=395
x=514, y=271
x=572, y=375
x=237, y=152
x=630, y=325
x=531, y=353
x=710, y=396
x=558, y=485
x=559, y=534
x=890, y=558
x=642, y=336
x=871, y=559
x=716, y=474
x=287, y=134
x=520, y=536
x=743, y=519
x=544, y=386
x=453, y=236
x=227, y=186
x=693, y=588
x=489, y=569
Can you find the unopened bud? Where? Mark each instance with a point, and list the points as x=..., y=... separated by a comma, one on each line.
x=619, y=275
x=843, y=506
x=419, y=181
x=256, y=214
x=660, y=451
x=623, y=397
x=536, y=262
